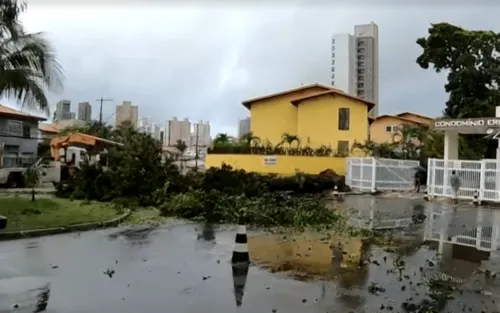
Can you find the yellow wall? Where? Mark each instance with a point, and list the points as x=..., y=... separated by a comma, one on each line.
x=318, y=121
x=272, y=117
x=378, y=133
x=286, y=165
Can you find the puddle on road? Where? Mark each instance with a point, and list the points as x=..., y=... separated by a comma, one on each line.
x=305, y=255
x=418, y=257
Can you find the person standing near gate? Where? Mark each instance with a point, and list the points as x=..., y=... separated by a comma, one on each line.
x=417, y=182
x=455, y=185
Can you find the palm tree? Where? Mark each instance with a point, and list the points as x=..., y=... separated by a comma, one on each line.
x=181, y=145
x=33, y=176
x=29, y=67
x=409, y=139
x=380, y=150
x=250, y=139
x=222, y=139
x=290, y=139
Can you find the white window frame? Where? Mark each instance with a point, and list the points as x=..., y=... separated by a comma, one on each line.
x=391, y=129
x=11, y=127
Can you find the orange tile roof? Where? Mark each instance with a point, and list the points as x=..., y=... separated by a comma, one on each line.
x=247, y=103
x=8, y=111
x=48, y=128
x=333, y=91
x=419, y=115
x=399, y=118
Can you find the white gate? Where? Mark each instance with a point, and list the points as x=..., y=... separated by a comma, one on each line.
x=369, y=174
x=482, y=176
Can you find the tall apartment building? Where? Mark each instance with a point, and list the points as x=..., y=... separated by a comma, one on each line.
x=177, y=130
x=157, y=133
x=355, y=63
x=145, y=124
x=63, y=110
x=243, y=127
x=126, y=112
x=201, y=134
x=84, y=111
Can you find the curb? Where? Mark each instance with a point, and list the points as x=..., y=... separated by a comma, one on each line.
x=8, y=192
x=67, y=229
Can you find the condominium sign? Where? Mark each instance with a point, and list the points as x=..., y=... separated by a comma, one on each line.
x=470, y=122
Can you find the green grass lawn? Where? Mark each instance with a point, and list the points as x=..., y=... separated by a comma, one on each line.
x=23, y=214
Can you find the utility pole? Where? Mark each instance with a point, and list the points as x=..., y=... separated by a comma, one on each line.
x=100, y=109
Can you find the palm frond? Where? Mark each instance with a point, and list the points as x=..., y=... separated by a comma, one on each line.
x=28, y=69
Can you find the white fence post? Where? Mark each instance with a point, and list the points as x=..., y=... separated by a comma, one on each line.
x=482, y=181
x=428, y=182
x=348, y=172
x=374, y=174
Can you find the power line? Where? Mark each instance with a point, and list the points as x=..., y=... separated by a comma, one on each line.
x=100, y=109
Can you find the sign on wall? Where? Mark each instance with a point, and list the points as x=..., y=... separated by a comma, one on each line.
x=270, y=160
x=471, y=122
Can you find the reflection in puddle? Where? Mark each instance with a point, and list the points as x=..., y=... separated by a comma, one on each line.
x=240, y=274
x=305, y=255
x=207, y=232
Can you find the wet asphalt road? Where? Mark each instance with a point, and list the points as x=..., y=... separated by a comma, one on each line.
x=170, y=270
x=155, y=271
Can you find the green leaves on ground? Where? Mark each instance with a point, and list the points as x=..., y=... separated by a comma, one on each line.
x=267, y=210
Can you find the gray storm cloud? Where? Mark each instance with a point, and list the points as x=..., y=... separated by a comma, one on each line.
x=201, y=61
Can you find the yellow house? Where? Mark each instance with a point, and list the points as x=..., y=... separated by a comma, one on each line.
x=384, y=127
x=317, y=114
x=419, y=118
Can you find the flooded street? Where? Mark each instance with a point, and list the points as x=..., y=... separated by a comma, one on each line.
x=173, y=269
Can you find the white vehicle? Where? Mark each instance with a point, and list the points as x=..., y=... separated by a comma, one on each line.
x=65, y=150
x=13, y=176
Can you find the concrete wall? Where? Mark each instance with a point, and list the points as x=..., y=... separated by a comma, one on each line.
x=285, y=165
x=18, y=144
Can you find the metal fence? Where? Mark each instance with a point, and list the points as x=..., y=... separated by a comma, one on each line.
x=369, y=174
x=482, y=176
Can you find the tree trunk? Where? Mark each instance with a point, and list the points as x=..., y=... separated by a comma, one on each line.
x=33, y=194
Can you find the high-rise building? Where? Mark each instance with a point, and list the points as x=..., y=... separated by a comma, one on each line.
x=243, y=127
x=63, y=110
x=145, y=124
x=84, y=111
x=177, y=130
x=355, y=63
x=201, y=134
x=126, y=112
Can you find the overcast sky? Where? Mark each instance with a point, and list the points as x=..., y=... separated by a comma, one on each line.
x=201, y=59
